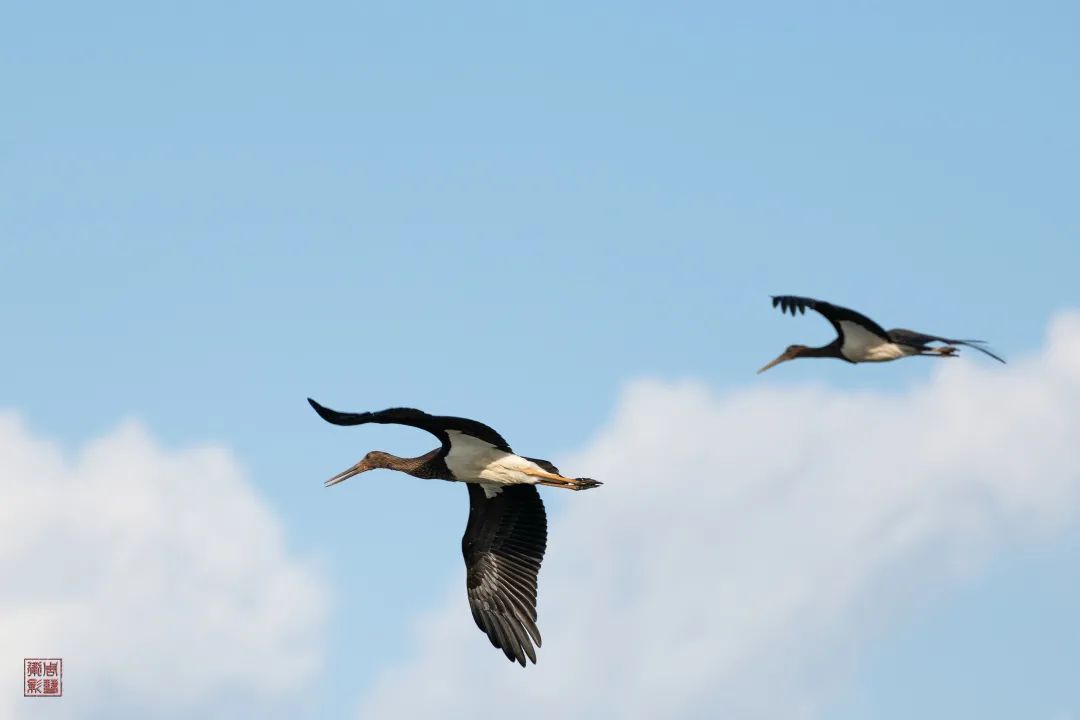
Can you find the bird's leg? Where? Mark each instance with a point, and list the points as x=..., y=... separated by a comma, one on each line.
x=553, y=480
x=556, y=483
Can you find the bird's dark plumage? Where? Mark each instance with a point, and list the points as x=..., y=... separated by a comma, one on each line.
x=437, y=425
x=833, y=313
x=503, y=546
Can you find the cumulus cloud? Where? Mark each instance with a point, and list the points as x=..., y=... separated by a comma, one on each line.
x=161, y=577
x=745, y=547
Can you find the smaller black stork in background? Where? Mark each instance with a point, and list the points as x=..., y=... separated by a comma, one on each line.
x=860, y=339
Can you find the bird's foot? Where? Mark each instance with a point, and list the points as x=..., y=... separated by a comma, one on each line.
x=585, y=484
x=947, y=351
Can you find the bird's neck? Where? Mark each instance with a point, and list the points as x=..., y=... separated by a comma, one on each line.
x=424, y=466
x=830, y=350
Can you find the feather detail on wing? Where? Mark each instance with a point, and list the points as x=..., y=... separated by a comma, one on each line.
x=833, y=313
x=503, y=546
x=437, y=425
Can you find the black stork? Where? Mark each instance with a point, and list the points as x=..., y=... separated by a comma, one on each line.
x=506, y=535
x=860, y=339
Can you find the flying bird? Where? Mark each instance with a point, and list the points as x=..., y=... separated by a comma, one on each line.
x=860, y=339
x=506, y=535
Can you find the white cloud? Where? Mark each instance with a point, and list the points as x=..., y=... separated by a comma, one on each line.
x=159, y=576
x=745, y=548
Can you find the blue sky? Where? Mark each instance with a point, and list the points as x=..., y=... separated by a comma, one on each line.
x=212, y=212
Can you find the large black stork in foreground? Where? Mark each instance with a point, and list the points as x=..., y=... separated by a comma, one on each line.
x=506, y=536
x=860, y=339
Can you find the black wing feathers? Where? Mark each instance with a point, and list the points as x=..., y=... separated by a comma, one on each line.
x=833, y=313
x=437, y=425
x=919, y=340
x=503, y=547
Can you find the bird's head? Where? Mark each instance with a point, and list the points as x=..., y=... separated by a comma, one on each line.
x=373, y=460
x=792, y=352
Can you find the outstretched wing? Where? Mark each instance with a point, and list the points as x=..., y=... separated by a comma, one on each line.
x=835, y=314
x=503, y=546
x=919, y=340
x=437, y=425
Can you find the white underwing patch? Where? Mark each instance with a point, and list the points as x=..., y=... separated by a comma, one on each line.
x=473, y=460
x=862, y=345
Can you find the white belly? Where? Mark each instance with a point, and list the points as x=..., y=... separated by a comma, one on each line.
x=475, y=461
x=885, y=352
x=861, y=345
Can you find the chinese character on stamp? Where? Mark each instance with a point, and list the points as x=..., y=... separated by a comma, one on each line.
x=43, y=677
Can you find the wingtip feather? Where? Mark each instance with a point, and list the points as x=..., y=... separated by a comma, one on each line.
x=322, y=410
x=333, y=416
